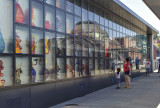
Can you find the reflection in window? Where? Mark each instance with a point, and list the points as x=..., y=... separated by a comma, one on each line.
x=91, y=30
x=102, y=68
x=22, y=70
x=61, y=73
x=102, y=33
x=106, y=22
x=110, y=24
x=77, y=7
x=96, y=15
x=85, y=47
x=78, y=46
x=91, y=66
x=60, y=21
x=70, y=46
x=51, y=2
x=69, y=6
x=37, y=14
x=78, y=25
x=85, y=67
x=22, y=40
x=69, y=24
x=97, y=67
x=97, y=31
x=49, y=18
x=107, y=64
x=78, y=67
x=6, y=70
x=6, y=28
x=97, y=46
x=22, y=11
x=50, y=41
x=60, y=4
x=91, y=13
x=102, y=49
x=70, y=73
x=37, y=69
x=61, y=44
x=91, y=48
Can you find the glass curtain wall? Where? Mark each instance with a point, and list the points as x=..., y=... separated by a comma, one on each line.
x=48, y=40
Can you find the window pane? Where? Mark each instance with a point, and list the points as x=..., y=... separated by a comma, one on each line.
x=78, y=46
x=60, y=4
x=37, y=42
x=6, y=28
x=22, y=40
x=70, y=46
x=60, y=21
x=78, y=25
x=91, y=13
x=37, y=14
x=97, y=30
x=85, y=67
x=97, y=67
x=102, y=63
x=51, y=2
x=77, y=7
x=91, y=48
x=61, y=43
x=69, y=24
x=50, y=49
x=22, y=70
x=78, y=67
x=61, y=73
x=22, y=11
x=6, y=71
x=91, y=66
x=37, y=69
x=49, y=18
x=70, y=68
x=69, y=6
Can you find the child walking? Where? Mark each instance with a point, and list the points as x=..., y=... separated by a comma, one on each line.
x=148, y=67
x=118, y=78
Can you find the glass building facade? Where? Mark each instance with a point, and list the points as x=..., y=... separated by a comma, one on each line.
x=52, y=40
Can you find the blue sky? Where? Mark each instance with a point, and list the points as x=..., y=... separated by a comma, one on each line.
x=140, y=8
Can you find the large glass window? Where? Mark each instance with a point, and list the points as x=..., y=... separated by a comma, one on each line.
x=70, y=72
x=78, y=46
x=60, y=4
x=61, y=67
x=70, y=46
x=78, y=67
x=69, y=6
x=77, y=7
x=51, y=2
x=78, y=26
x=85, y=67
x=69, y=24
x=61, y=43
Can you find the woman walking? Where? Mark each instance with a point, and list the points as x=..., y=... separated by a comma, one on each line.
x=127, y=71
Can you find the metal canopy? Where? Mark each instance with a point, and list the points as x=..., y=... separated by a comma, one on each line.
x=154, y=5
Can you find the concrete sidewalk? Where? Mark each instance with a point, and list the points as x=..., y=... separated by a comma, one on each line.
x=145, y=93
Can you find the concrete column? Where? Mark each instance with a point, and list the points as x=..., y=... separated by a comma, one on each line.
x=150, y=50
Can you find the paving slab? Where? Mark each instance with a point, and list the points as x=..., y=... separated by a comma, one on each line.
x=145, y=93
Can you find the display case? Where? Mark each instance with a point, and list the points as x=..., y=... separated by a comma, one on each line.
x=60, y=21
x=70, y=46
x=61, y=68
x=22, y=40
x=6, y=71
x=70, y=65
x=91, y=66
x=69, y=5
x=6, y=26
x=78, y=67
x=37, y=14
x=22, y=11
x=69, y=24
x=50, y=49
x=85, y=67
x=37, y=42
x=50, y=18
x=22, y=75
x=37, y=69
x=61, y=45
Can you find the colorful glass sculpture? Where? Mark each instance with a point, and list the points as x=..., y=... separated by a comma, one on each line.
x=34, y=43
x=33, y=17
x=19, y=14
x=47, y=25
x=2, y=44
x=46, y=46
x=18, y=46
x=18, y=74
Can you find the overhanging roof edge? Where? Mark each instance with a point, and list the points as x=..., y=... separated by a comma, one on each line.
x=134, y=14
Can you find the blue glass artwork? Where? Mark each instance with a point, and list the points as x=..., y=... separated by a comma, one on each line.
x=2, y=44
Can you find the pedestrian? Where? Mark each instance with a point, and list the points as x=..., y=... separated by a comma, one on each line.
x=118, y=75
x=137, y=63
x=148, y=67
x=127, y=71
x=159, y=65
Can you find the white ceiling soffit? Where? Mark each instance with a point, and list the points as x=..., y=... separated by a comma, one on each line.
x=134, y=14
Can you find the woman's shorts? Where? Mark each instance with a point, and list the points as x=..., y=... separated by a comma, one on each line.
x=126, y=72
x=118, y=80
x=148, y=69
